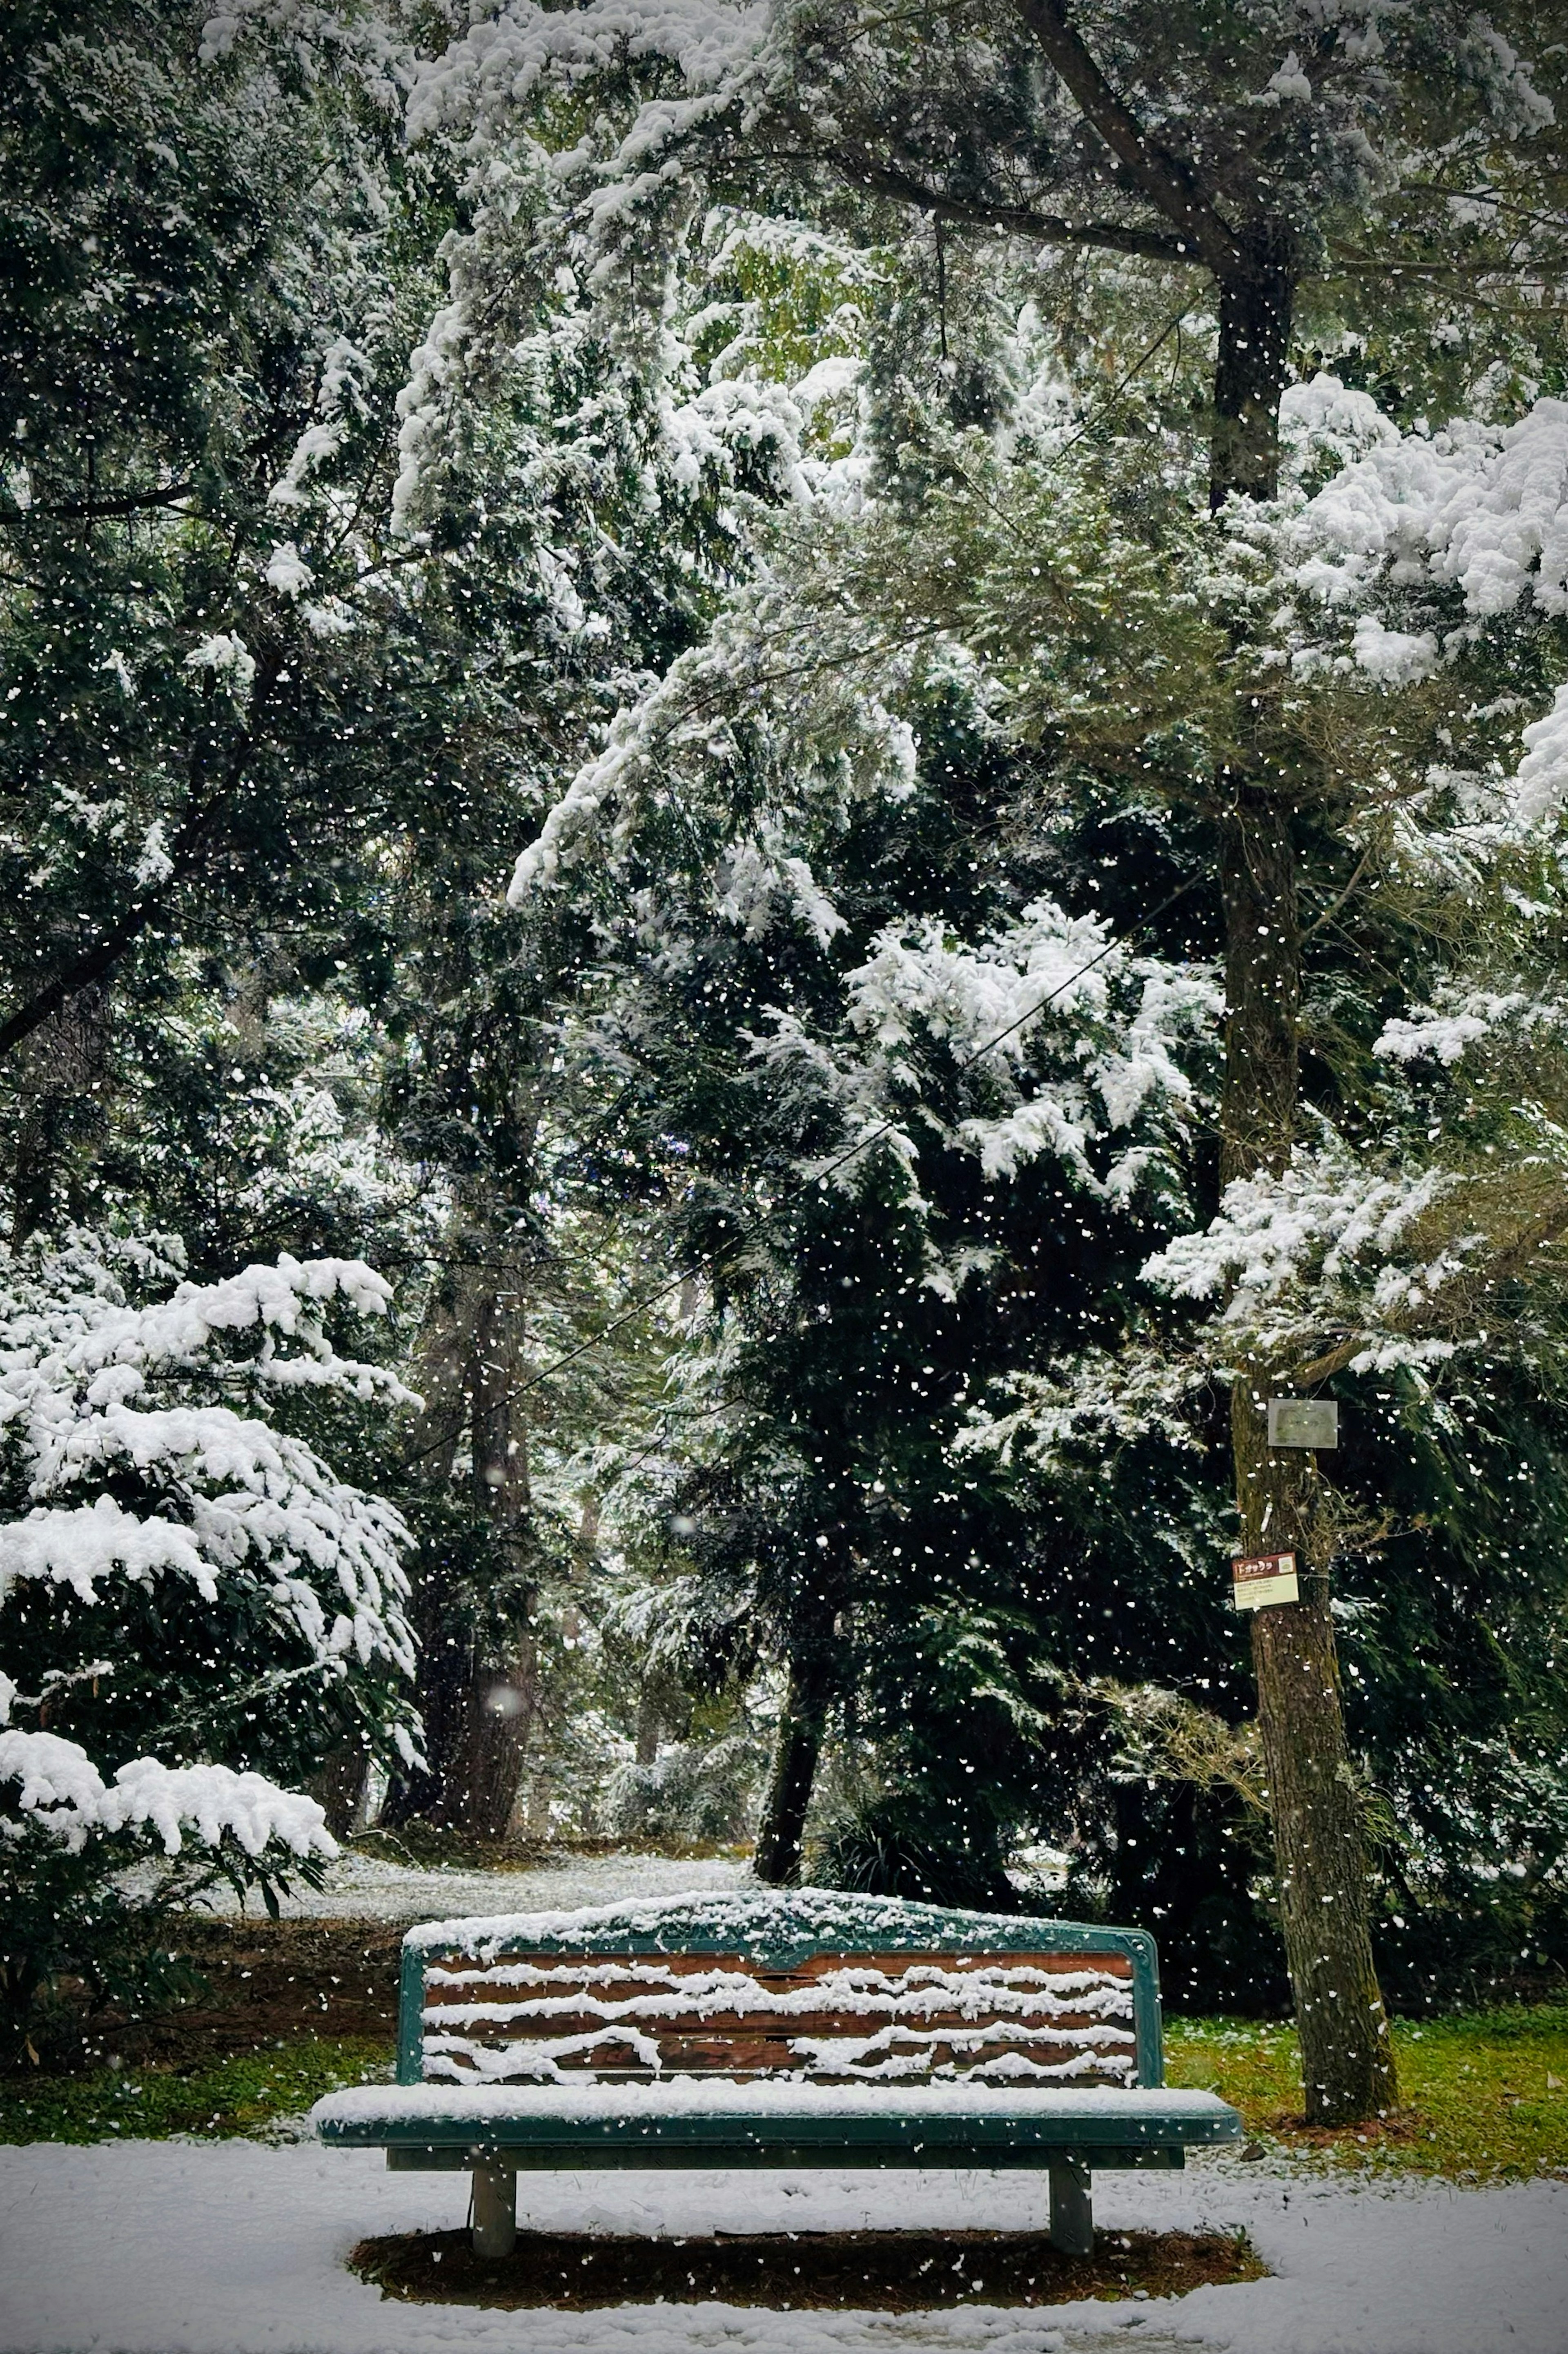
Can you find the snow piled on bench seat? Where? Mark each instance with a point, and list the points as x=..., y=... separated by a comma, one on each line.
x=591, y=2102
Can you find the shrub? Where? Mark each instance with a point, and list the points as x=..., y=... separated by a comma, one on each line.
x=178, y=1571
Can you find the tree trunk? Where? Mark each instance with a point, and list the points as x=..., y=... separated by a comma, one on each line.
x=1320, y=1852
x=340, y=1786
x=484, y=1768
x=500, y=1700
x=796, y=1751
x=478, y=1696
x=1249, y=374
x=58, y=1076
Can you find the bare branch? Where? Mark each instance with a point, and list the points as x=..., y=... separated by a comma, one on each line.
x=132, y=503
x=1021, y=220
x=1169, y=183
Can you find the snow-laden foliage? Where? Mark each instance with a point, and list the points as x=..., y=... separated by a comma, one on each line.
x=725, y=719
x=1311, y=97
x=148, y=1488
x=1463, y=1015
x=1435, y=558
x=178, y=1571
x=1083, y=1049
x=1481, y=507
x=1081, y=1402
x=1326, y=1243
x=60, y=1791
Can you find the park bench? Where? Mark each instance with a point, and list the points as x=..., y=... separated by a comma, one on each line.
x=806, y=2029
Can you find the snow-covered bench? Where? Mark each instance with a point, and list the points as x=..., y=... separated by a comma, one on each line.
x=807, y=2029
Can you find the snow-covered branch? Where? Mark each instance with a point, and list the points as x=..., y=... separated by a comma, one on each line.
x=1334, y=1263
x=1072, y=1042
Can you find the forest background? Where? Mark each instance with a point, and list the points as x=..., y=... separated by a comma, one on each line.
x=636, y=641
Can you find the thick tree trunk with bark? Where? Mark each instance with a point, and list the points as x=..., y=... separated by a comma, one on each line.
x=1319, y=1848
x=478, y=1701
x=649, y=1726
x=501, y=1701
x=1255, y=307
x=796, y=1753
x=61, y=1066
x=340, y=1786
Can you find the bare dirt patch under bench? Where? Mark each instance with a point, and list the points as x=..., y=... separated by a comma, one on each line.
x=883, y=2272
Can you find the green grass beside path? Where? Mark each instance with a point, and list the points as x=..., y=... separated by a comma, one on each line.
x=1481, y=2098
x=246, y=2093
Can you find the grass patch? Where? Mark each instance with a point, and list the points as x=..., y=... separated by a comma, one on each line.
x=1483, y=2097
x=244, y=2093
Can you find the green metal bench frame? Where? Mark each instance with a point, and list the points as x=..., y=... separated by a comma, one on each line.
x=1068, y=2147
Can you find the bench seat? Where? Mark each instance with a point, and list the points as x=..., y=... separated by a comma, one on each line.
x=778, y=2030
x=685, y=2120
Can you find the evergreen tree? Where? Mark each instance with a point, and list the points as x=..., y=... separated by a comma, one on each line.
x=180, y=1571
x=1249, y=155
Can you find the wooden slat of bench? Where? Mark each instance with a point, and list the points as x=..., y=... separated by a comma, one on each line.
x=518, y=2022
x=612, y=2061
x=1059, y=2016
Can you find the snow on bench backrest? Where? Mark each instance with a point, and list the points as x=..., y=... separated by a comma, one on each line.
x=765, y=1984
x=875, y=2018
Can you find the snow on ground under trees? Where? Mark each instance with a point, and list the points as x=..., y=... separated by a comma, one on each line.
x=368, y=1888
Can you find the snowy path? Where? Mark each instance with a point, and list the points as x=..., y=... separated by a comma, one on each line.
x=363, y=1887
x=231, y=2248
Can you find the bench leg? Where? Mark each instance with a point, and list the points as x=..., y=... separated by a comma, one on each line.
x=494, y=2211
x=1072, y=2208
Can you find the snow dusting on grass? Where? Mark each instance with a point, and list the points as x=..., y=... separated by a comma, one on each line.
x=262, y=2093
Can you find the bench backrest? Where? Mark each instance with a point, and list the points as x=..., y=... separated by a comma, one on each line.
x=836, y=1991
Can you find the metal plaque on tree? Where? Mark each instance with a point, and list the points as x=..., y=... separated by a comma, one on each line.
x=1260, y=1578
x=1303, y=1422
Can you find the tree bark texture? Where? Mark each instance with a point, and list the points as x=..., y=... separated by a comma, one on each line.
x=340, y=1786
x=478, y=1698
x=796, y=1751
x=1319, y=1846
x=1256, y=306
x=61, y=1068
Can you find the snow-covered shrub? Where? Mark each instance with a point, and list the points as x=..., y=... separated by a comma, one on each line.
x=179, y=1573
x=693, y=1791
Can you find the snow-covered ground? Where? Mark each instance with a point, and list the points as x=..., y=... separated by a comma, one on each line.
x=230, y=2248
x=363, y=1887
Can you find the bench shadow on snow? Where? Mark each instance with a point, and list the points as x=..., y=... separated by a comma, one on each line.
x=884, y=2271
